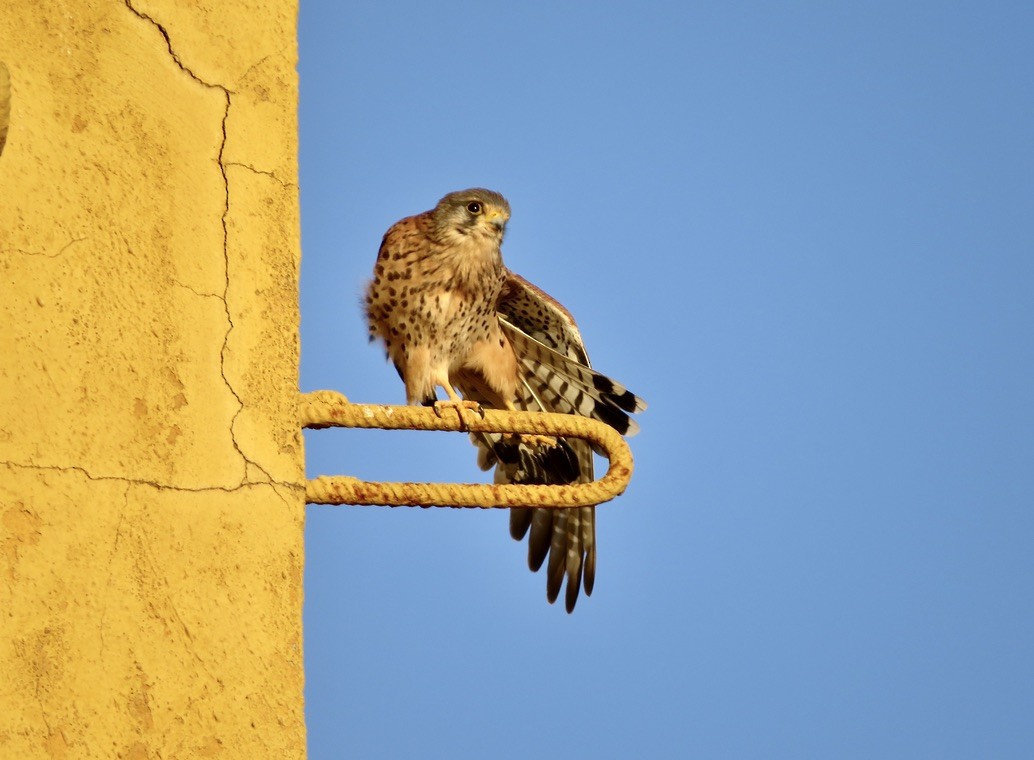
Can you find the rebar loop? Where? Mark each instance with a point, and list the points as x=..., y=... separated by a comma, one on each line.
x=322, y=409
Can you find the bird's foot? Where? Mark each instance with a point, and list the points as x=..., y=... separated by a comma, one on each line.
x=460, y=406
x=533, y=441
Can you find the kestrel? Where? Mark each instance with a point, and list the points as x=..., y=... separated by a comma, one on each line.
x=452, y=316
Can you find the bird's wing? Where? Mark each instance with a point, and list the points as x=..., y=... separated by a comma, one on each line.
x=554, y=376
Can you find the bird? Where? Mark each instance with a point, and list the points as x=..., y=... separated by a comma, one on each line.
x=451, y=315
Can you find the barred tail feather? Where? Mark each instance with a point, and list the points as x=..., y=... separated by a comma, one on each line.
x=564, y=540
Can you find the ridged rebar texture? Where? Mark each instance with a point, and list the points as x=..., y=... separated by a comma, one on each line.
x=322, y=409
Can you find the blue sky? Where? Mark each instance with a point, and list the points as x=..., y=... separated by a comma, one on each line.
x=804, y=232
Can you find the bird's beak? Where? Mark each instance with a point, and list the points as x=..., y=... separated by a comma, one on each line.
x=498, y=218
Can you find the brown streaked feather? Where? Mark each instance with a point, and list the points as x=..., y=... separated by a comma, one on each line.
x=453, y=317
x=554, y=376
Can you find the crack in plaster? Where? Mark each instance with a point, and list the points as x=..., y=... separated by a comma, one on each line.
x=226, y=241
x=269, y=174
x=168, y=43
x=151, y=483
x=198, y=293
x=156, y=572
x=44, y=254
x=111, y=562
x=43, y=708
x=263, y=59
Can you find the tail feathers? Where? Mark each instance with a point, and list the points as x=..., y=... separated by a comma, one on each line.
x=518, y=463
x=564, y=540
x=566, y=537
x=541, y=539
x=569, y=554
x=520, y=521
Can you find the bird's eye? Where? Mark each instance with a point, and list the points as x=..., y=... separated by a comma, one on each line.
x=474, y=207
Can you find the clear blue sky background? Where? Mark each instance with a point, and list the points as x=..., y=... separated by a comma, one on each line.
x=804, y=232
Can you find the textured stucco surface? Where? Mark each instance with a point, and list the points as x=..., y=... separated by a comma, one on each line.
x=151, y=478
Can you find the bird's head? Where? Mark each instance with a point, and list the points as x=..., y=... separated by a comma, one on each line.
x=476, y=213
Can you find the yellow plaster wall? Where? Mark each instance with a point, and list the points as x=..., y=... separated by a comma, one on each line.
x=151, y=476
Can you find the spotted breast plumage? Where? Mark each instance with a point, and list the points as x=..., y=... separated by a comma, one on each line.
x=452, y=316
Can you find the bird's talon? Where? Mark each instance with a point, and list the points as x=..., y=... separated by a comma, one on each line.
x=533, y=441
x=459, y=406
